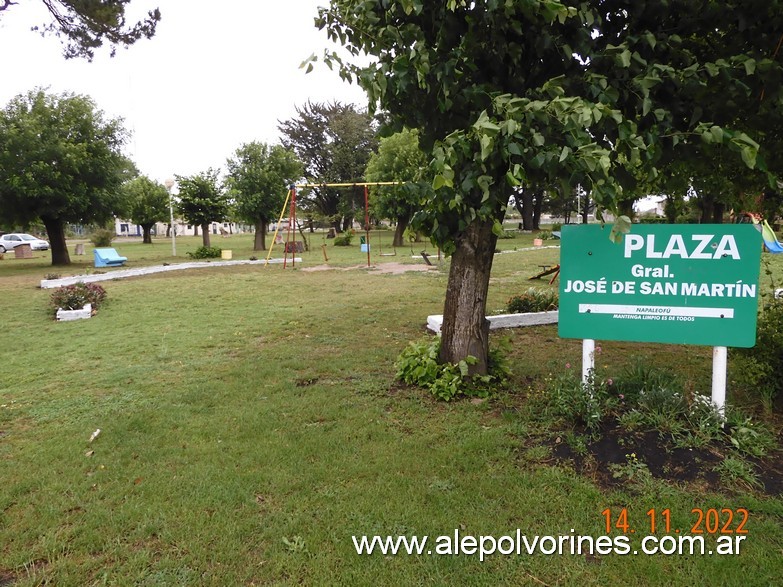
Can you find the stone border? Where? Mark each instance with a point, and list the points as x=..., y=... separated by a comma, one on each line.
x=80, y=314
x=435, y=321
x=123, y=273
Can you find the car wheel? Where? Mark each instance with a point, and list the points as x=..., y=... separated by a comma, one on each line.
x=2, y=249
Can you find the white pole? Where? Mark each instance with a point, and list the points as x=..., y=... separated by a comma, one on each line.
x=588, y=359
x=719, y=364
x=169, y=184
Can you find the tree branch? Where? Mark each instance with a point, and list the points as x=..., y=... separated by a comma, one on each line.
x=6, y=4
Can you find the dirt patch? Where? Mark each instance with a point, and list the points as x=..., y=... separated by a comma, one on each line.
x=380, y=269
x=692, y=466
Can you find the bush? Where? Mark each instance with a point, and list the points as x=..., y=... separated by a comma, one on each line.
x=102, y=237
x=76, y=296
x=206, y=253
x=759, y=369
x=533, y=300
x=418, y=365
x=343, y=240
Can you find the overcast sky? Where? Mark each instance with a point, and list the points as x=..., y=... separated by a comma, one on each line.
x=216, y=75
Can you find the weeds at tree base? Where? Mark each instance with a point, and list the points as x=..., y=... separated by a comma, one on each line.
x=418, y=365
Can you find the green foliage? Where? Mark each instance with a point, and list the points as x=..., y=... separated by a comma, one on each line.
x=533, y=300
x=334, y=142
x=202, y=200
x=258, y=179
x=205, y=253
x=399, y=159
x=580, y=404
x=61, y=161
x=418, y=365
x=344, y=239
x=147, y=201
x=647, y=398
x=86, y=25
x=102, y=237
x=737, y=471
x=76, y=296
x=759, y=370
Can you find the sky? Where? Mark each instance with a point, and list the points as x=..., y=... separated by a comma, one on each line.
x=215, y=75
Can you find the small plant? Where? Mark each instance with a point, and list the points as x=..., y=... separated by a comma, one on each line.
x=78, y=295
x=545, y=235
x=581, y=403
x=343, y=240
x=633, y=471
x=734, y=471
x=102, y=237
x=52, y=276
x=295, y=544
x=205, y=253
x=533, y=300
x=418, y=365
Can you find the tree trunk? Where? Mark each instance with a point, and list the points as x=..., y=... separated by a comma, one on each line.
x=168, y=230
x=195, y=230
x=259, y=243
x=586, y=209
x=399, y=232
x=147, y=228
x=706, y=203
x=55, y=230
x=205, y=234
x=527, y=209
x=717, y=212
x=538, y=206
x=465, y=330
x=347, y=223
x=338, y=227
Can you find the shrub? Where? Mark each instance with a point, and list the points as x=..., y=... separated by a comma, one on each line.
x=102, y=237
x=76, y=296
x=205, y=253
x=761, y=367
x=343, y=240
x=533, y=300
x=544, y=235
x=418, y=365
x=557, y=226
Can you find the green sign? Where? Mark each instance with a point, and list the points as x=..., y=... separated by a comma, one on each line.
x=675, y=283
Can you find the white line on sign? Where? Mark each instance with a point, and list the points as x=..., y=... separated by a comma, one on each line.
x=656, y=310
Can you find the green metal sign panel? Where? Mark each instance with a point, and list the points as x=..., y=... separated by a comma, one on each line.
x=674, y=283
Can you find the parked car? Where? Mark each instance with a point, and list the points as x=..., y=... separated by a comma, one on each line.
x=14, y=239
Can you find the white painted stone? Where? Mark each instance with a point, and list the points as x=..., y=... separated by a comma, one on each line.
x=435, y=322
x=67, y=315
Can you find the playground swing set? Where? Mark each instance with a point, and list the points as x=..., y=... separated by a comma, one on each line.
x=289, y=244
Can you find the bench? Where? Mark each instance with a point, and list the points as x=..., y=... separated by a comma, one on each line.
x=108, y=258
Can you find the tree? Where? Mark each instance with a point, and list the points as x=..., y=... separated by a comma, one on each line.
x=547, y=91
x=84, y=25
x=258, y=177
x=147, y=202
x=202, y=200
x=334, y=142
x=60, y=162
x=399, y=159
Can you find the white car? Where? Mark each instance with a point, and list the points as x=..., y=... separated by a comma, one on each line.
x=14, y=239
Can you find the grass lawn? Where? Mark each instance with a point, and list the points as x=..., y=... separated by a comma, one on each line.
x=251, y=425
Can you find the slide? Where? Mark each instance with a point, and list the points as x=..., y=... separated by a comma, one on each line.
x=770, y=240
